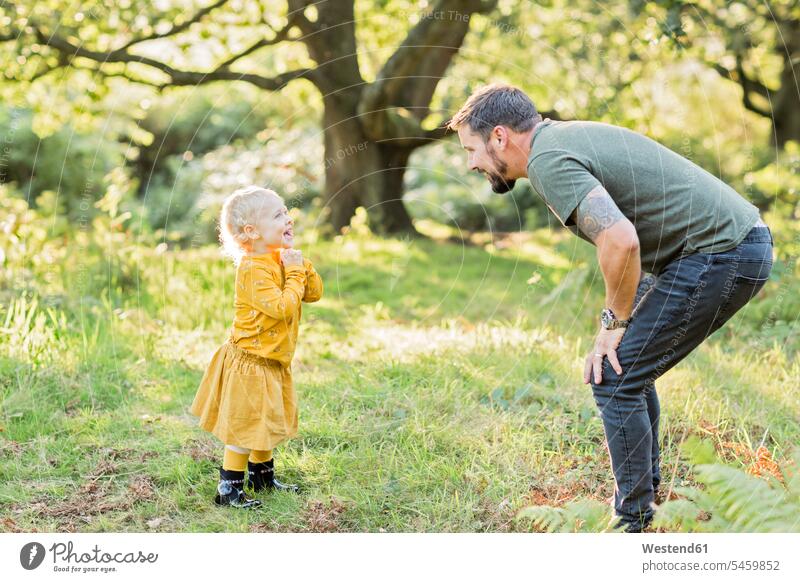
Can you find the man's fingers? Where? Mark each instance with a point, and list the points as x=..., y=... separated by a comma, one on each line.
x=597, y=364
x=612, y=357
x=587, y=369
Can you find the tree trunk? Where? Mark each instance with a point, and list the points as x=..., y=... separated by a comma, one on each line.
x=355, y=166
x=372, y=128
x=346, y=161
x=360, y=172
x=786, y=101
x=395, y=217
x=785, y=116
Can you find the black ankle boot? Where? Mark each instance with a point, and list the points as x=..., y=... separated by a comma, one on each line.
x=262, y=476
x=230, y=490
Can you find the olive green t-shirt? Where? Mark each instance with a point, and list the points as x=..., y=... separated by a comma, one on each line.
x=677, y=207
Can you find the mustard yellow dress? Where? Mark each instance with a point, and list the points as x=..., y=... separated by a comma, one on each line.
x=246, y=397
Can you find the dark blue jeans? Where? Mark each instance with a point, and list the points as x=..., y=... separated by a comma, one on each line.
x=691, y=299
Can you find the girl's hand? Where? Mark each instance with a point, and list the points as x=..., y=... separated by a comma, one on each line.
x=292, y=258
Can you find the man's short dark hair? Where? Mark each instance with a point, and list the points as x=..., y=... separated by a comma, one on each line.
x=494, y=105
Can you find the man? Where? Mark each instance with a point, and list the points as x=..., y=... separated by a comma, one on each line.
x=645, y=208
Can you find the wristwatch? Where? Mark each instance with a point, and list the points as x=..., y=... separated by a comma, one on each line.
x=609, y=321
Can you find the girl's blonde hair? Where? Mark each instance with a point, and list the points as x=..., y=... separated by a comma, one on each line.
x=240, y=209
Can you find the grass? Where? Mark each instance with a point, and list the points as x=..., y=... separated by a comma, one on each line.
x=439, y=385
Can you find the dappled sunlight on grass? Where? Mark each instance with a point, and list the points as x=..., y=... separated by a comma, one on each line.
x=193, y=348
x=404, y=342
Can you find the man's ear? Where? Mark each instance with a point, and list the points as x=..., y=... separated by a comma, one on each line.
x=500, y=137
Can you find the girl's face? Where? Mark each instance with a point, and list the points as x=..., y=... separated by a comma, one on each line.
x=274, y=225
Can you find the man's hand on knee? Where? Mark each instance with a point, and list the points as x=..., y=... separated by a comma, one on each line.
x=604, y=346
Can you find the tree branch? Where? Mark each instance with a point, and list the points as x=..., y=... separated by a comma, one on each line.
x=750, y=83
x=747, y=84
x=44, y=71
x=330, y=39
x=415, y=136
x=176, y=28
x=393, y=106
x=178, y=77
x=280, y=36
x=438, y=132
x=297, y=14
x=772, y=11
x=123, y=74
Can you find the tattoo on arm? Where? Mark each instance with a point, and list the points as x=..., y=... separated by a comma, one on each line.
x=646, y=283
x=597, y=212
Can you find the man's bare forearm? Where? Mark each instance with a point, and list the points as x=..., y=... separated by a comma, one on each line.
x=621, y=267
x=598, y=217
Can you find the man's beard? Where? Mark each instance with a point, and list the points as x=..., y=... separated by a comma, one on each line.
x=500, y=185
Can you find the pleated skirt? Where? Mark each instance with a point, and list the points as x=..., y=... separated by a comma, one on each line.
x=246, y=400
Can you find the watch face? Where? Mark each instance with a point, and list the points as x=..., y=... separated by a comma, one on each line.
x=605, y=318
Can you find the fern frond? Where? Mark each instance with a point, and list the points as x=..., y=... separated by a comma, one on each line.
x=732, y=499
x=582, y=515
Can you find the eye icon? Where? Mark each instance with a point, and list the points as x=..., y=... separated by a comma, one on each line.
x=31, y=555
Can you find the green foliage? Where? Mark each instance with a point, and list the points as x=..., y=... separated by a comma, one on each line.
x=69, y=163
x=97, y=256
x=584, y=515
x=437, y=188
x=29, y=254
x=30, y=332
x=201, y=121
x=728, y=499
x=777, y=182
x=173, y=136
x=187, y=209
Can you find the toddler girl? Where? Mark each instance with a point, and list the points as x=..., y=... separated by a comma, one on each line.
x=246, y=397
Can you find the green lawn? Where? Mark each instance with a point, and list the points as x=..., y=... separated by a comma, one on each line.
x=439, y=384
